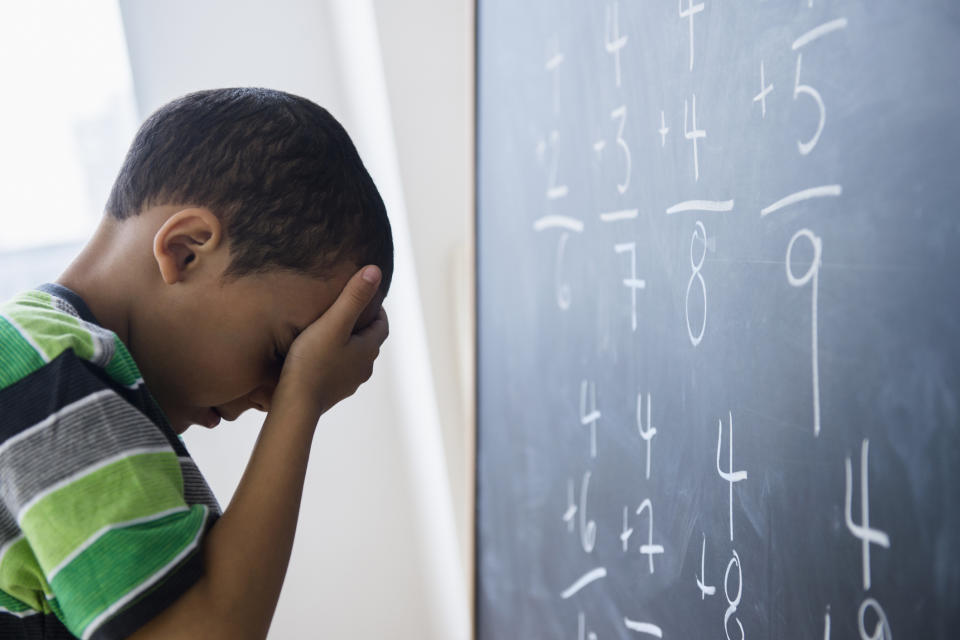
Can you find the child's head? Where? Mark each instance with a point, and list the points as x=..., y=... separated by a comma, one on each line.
x=277, y=170
x=242, y=212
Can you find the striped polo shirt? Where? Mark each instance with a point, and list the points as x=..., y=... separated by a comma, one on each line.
x=102, y=509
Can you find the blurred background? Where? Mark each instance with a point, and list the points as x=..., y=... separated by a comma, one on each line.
x=384, y=544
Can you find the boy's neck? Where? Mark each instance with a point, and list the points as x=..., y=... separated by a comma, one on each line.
x=101, y=276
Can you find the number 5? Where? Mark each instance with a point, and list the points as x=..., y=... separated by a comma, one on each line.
x=807, y=147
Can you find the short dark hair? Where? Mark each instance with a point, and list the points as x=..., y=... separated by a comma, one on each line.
x=279, y=172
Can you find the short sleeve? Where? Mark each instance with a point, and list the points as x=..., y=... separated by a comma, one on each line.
x=106, y=532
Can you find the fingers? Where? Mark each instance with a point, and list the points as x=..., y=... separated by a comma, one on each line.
x=377, y=330
x=354, y=298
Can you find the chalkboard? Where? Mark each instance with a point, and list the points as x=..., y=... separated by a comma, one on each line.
x=718, y=320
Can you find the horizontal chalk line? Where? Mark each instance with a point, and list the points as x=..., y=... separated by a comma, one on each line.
x=701, y=205
x=806, y=194
x=558, y=222
x=819, y=32
x=583, y=581
x=643, y=627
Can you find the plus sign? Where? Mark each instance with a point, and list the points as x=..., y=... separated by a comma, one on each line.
x=762, y=96
x=693, y=134
x=663, y=130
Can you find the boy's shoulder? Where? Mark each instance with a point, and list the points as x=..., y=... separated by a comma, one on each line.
x=39, y=325
x=99, y=494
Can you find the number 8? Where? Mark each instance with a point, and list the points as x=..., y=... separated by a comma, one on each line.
x=696, y=266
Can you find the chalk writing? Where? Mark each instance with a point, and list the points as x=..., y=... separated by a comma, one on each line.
x=696, y=265
x=646, y=432
x=812, y=273
x=862, y=530
x=705, y=589
x=729, y=475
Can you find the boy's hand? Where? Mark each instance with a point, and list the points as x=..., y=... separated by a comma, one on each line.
x=328, y=360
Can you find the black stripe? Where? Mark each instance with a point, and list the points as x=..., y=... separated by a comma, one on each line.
x=160, y=596
x=62, y=381
x=195, y=487
x=43, y=392
x=85, y=436
x=36, y=627
x=141, y=398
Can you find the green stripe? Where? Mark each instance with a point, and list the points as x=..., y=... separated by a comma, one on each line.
x=21, y=580
x=54, y=331
x=10, y=603
x=122, y=367
x=133, y=487
x=119, y=562
x=20, y=359
x=51, y=329
x=55, y=607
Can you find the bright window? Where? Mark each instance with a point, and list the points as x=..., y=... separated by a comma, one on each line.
x=66, y=119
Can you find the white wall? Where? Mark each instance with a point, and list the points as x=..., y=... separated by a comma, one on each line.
x=376, y=553
x=428, y=57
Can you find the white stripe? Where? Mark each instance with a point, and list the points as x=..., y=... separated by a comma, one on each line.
x=104, y=348
x=53, y=417
x=19, y=614
x=105, y=345
x=26, y=336
x=73, y=477
x=132, y=387
x=119, y=604
x=97, y=333
x=98, y=350
x=99, y=534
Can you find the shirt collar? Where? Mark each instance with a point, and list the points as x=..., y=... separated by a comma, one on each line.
x=72, y=297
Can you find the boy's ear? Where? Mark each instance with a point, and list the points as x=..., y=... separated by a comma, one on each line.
x=187, y=239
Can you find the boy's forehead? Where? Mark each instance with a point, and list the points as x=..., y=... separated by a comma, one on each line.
x=306, y=297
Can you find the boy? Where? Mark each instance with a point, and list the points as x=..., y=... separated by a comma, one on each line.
x=225, y=275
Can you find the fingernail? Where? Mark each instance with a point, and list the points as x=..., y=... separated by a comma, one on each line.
x=371, y=275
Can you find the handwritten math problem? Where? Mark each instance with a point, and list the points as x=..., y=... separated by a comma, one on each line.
x=718, y=356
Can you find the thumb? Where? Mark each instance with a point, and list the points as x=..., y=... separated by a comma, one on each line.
x=356, y=295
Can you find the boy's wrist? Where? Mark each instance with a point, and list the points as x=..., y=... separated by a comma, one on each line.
x=289, y=396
